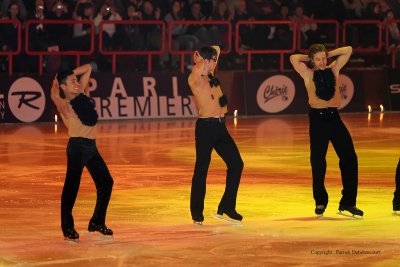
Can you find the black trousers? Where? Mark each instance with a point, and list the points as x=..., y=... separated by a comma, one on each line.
x=326, y=125
x=212, y=134
x=397, y=192
x=83, y=152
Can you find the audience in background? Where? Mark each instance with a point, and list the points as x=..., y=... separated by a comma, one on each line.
x=180, y=40
x=82, y=32
x=135, y=37
x=394, y=31
x=9, y=37
x=110, y=37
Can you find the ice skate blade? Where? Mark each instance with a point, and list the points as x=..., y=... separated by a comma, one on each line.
x=396, y=212
x=72, y=241
x=350, y=215
x=227, y=219
x=197, y=223
x=100, y=235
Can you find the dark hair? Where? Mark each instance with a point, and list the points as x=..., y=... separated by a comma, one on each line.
x=207, y=52
x=12, y=3
x=80, y=11
x=316, y=48
x=63, y=75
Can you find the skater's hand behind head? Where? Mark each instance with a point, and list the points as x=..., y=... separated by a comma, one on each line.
x=196, y=57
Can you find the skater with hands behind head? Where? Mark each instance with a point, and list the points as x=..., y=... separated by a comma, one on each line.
x=322, y=84
x=211, y=133
x=396, y=198
x=80, y=117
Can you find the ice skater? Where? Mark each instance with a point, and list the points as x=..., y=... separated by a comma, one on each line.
x=322, y=84
x=80, y=117
x=211, y=133
x=396, y=198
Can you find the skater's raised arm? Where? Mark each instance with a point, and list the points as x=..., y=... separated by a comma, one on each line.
x=218, y=49
x=198, y=64
x=84, y=72
x=199, y=70
x=55, y=96
x=343, y=54
x=205, y=61
x=299, y=65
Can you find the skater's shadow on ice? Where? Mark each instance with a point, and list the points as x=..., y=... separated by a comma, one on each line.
x=314, y=218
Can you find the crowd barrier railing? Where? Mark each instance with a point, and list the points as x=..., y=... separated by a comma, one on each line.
x=318, y=22
x=373, y=23
x=166, y=39
x=77, y=53
x=12, y=53
x=149, y=53
x=250, y=52
x=226, y=49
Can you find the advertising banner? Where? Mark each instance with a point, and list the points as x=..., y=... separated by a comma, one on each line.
x=394, y=88
x=120, y=96
x=167, y=95
x=285, y=93
x=25, y=98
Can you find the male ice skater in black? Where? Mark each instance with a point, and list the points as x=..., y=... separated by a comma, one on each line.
x=322, y=84
x=211, y=133
x=396, y=198
x=80, y=117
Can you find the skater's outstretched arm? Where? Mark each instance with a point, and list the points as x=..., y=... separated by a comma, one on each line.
x=343, y=55
x=84, y=71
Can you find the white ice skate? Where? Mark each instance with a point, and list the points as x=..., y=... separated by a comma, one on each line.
x=227, y=219
x=197, y=223
x=72, y=241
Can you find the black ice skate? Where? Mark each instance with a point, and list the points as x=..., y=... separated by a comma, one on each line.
x=70, y=234
x=396, y=207
x=198, y=218
x=320, y=209
x=352, y=209
x=232, y=216
x=102, y=228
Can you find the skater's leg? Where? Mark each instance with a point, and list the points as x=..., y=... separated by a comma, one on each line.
x=75, y=165
x=343, y=144
x=104, y=183
x=228, y=151
x=204, y=134
x=319, y=140
x=396, y=199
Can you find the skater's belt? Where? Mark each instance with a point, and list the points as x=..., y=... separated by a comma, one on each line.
x=82, y=140
x=220, y=119
x=327, y=108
